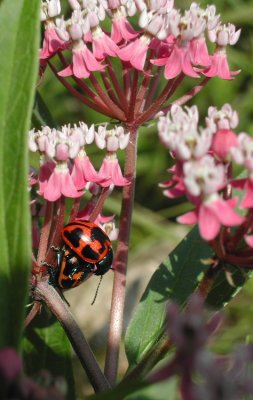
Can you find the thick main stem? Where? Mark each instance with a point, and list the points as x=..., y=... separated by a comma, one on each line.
x=120, y=265
x=53, y=300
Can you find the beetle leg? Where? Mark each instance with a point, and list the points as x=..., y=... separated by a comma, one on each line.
x=55, y=248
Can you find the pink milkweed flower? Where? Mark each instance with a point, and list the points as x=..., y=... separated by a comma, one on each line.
x=199, y=52
x=179, y=132
x=83, y=63
x=225, y=118
x=136, y=51
x=46, y=169
x=175, y=186
x=222, y=35
x=178, y=61
x=211, y=215
x=111, y=139
x=103, y=45
x=59, y=144
x=51, y=43
x=110, y=173
x=121, y=27
x=83, y=171
x=242, y=154
x=60, y=184
x=203, y=177
x=223, y=141
x=49, y=9
x=219, y=66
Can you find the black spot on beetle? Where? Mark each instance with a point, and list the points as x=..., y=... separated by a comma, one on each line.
x=74, y=237
x=88, y=252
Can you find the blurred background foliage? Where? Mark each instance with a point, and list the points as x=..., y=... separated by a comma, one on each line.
x=154, y=214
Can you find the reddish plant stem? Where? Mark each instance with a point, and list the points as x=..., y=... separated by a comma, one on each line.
x=132, y=103
x=88, y=92
x=241, y=231
x=188, y=96
x=56, y=226
x=116, y=84
x=75, y=209
x=126, y=80
x=43, y=245
x=169, y=89
x=140, y=100
x=109, y=90
x=85, y=88
x=97, y=107
x=99, y=204
x=153, y=89
x=120, y=264
x=117, y=112
x=32, y=313
x=50, y=296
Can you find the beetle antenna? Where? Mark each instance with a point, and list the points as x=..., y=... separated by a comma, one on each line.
x=99, y=283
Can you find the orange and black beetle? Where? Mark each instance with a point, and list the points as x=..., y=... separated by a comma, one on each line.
x=87, y=249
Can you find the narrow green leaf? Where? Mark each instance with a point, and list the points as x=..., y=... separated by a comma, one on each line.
x=46, y=347
x=175, y=279
x=19, y=32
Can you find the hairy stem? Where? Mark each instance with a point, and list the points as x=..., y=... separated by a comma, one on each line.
x=50, y=296
x=120, y=265
x=44, y=237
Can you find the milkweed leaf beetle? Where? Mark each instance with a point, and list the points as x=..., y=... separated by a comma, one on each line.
x=87, y=249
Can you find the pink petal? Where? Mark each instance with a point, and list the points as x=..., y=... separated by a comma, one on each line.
x=104, y=46
x=89, y=59
x=188, y=218
x=51, y=44
x=219, y=67
x=187, y=63
x=52, y=190
x=173, y=65
x=68, y=71
x=45, y=172
x=67, y=186
x=199, y=52
x=225, y=213
x=83, y=172
x=80, y=69
x=121, y=29
x=110, y=174
x=222, y=142
x=209, y=224
x=247, y=201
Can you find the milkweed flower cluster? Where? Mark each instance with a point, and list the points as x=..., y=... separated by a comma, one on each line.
x=203, y=168
x=163, y=39
x=66, y=169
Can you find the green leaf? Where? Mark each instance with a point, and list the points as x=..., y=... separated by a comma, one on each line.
x=176, y=278
x=46, y=347
x=19, y=32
